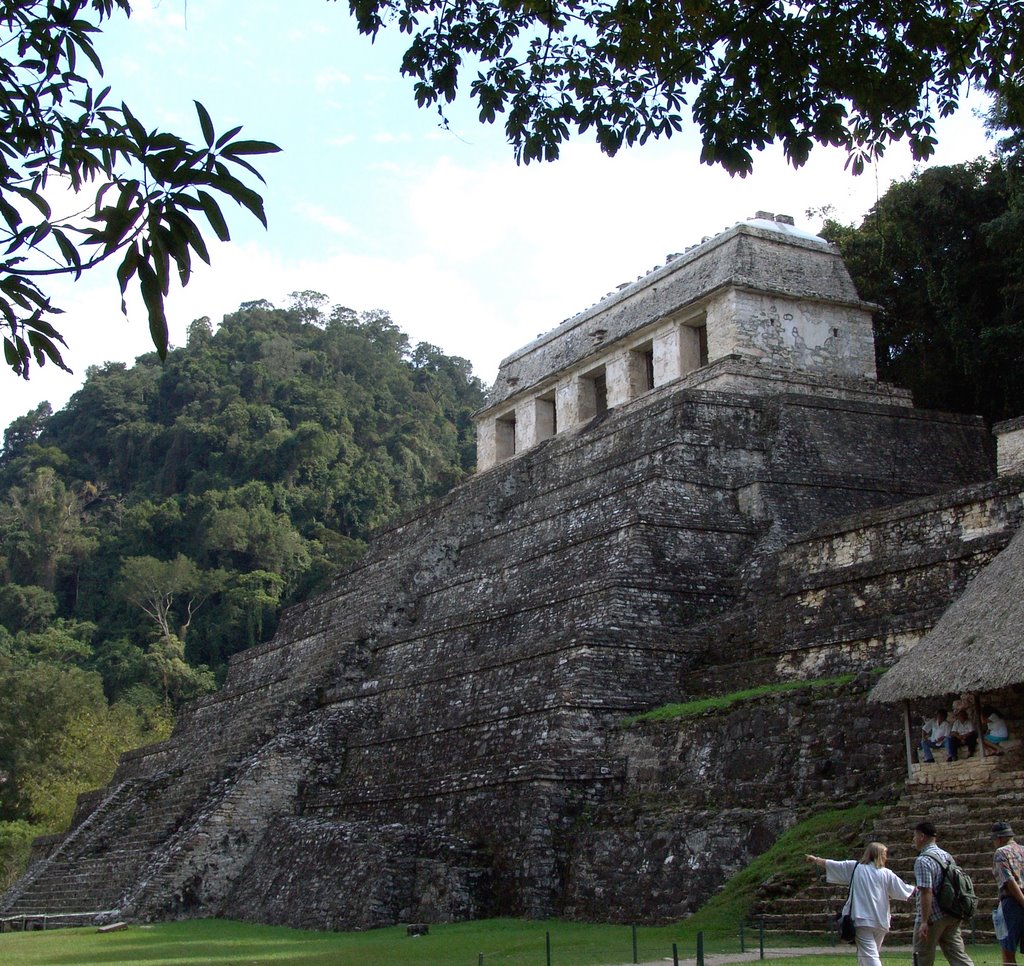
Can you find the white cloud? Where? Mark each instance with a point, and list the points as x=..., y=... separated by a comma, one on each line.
x=389, y=137
x=165, y=16
x=320, y=216
x=330, y=78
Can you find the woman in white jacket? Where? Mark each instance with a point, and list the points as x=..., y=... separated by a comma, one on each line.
x=873, y=886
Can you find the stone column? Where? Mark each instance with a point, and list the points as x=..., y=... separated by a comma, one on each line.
x=485, y=451
x=668, y=354
x=567, y=403
x=1009, y=446
x=617, y=375
x=526, y=425
x=544, y=419
x=505, y=438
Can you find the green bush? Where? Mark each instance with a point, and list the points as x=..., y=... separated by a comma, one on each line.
x=15, y=842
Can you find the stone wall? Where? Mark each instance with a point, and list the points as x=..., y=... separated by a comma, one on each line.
x=856, y=593
x=706, y=794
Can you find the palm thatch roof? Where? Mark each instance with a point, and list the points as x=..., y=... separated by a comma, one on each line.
x=977, y=644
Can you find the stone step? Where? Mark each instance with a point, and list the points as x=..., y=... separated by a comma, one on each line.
x=971, y=820
x=962, y=817
x=810, y=907
x=823, y=924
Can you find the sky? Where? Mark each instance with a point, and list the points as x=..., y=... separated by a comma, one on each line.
x=375, y=204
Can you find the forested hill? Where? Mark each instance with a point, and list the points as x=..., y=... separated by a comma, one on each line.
x=161, y=521
x=236, y=477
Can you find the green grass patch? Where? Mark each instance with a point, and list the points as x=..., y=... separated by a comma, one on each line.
x=212, y=942
x=503, y=942
x=837, y=832
x=685, y=709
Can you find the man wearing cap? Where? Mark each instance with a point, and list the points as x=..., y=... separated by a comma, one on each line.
x=932, y=927
x=1008, y=867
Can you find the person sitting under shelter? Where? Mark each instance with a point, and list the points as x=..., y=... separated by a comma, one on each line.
x=936, y=735
x=962, y=732
x=996, y=730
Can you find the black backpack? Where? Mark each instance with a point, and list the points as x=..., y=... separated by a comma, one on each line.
x=955, y=895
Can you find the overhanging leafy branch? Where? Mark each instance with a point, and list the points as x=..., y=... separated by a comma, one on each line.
x=146, y=195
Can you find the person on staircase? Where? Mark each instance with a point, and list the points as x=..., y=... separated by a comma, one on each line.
x=932, y=927
x=1008, y=868
x=872, y=886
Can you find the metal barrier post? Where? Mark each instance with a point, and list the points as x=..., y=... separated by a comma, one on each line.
x=700, y=949
x=760, y=932
x=480, y=961
x=635, y=960
x=675, y=955
x=547, y=946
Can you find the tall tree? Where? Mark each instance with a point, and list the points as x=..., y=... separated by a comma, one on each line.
x=943, y=256
x=45, y=531
x=168, y=592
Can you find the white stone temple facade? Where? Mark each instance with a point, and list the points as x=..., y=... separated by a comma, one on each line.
x=762, y=307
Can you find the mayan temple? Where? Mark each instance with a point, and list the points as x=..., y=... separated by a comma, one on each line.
x=696, y=485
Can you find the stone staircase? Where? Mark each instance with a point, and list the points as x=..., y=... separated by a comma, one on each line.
x=962, y=799
x=95, y=863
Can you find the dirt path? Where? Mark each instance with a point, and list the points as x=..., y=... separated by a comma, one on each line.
x=721, y=959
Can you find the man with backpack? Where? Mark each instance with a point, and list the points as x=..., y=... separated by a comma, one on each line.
x=934, y=927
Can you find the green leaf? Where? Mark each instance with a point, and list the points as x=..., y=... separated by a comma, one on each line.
x=250, y=147
x=214, y=216
x=43, y=349
x=206, y=124
x=10, y=214
x=41, y=325
x=191, y=233
x=68, y=250
x=11, y=354
x=127, y=269
x=153, y=297
x=33, y=198
x=224, y=138
x=137, y=131
x=40, y=233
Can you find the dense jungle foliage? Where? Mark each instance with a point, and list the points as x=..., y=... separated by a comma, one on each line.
x=942, y=254
x=162, y=520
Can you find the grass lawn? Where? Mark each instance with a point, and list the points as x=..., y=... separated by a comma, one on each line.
x=503, y=942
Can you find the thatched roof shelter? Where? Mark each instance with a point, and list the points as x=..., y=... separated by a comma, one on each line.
x=978, y=643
